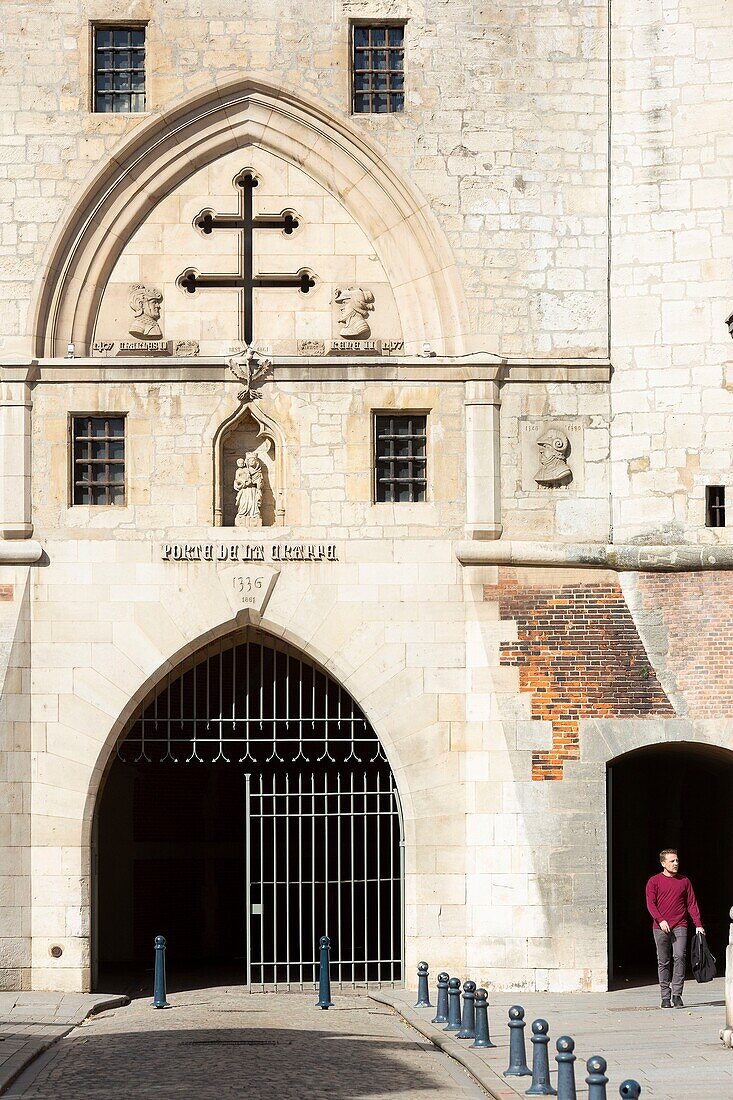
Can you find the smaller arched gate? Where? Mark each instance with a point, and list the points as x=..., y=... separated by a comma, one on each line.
x=321, y=831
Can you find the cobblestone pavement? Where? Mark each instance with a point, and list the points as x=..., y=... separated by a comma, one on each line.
x=221, y=1043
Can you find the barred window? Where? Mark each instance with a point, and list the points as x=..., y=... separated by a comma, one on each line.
x=378, y=62
x=98, y=460
x=400, y=458
x=119, y=69
x=715, y=505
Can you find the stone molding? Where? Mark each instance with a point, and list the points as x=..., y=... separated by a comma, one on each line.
x=621, y=557
x=235, y=113
x=20, y=551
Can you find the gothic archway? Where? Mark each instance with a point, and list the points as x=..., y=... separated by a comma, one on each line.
x=239, y=113
x=672, y=795
x=250, y=808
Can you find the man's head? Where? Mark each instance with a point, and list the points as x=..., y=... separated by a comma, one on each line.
x=669, y=860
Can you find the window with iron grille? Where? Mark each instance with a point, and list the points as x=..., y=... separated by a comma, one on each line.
x=715, y=505
x=378, y=63
x=400, y=451
x=119, y=69
x=98, y=459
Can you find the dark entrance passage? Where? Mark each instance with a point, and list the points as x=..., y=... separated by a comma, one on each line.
x=249, y=809
x=667, y=796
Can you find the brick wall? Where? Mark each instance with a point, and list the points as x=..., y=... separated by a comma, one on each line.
x=580, y=656
x=697, y=611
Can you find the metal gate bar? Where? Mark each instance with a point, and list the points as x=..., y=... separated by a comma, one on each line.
x=296, y=910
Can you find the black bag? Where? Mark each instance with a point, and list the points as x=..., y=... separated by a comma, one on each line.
x=703, y=963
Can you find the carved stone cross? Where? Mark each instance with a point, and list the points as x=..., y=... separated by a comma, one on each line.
x=245, y=280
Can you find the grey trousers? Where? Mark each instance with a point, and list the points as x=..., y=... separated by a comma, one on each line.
x=671, y=955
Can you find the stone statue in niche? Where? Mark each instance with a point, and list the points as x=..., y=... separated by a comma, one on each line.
x=248, y=483
x=554, y=448
x=355, y=304
x=145, y=303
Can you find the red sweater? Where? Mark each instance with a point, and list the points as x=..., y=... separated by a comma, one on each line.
x=671, y=898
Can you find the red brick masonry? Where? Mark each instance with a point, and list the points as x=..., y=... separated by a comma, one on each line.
x=580, y=656
x=697, y=611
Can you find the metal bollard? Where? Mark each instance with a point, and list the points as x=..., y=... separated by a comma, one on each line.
x=423, y=996
x=726, y=1033
x=540, y=1061
x=596, y=1079
x=565, y=1059
x=629, y=1090
x=324, y=975
x=159, y=998
x=468, y=1020
x=454, y=1005
x=483, y=1039
x=441, y=1011
x=517, y=1054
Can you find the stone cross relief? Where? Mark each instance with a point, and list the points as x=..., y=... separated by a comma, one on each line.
x=251, y=369
x=246, y=223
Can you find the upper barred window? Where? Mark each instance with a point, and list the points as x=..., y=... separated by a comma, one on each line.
x=400, y=453
x=119, y=69
x=98, y=459
x=378, y=63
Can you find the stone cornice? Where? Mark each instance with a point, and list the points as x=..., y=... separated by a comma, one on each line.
x=620, y=557
x=20, y=551
x=430, y=369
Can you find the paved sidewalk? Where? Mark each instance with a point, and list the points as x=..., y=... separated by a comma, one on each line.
x=31, y=1022
x=216, y=1044
x=674, y=1054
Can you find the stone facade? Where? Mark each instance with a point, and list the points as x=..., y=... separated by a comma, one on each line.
x=508, y=636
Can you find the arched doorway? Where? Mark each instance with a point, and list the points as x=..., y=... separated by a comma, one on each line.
x=666, y=796
x=248, y=809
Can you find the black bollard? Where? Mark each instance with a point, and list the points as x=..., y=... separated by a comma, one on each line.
x=517, y=1054
x=441, y=1011
x=596, y=1079
x=324, y=975
x=159, y=998
x=483, y=1039
x=468, y=1020
x=565, y=1059
x=540, y=1061
x=454, y=1005
x=629, y=1090
x=423, y=996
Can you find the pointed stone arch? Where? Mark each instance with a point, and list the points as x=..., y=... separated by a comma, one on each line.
x=235, y=114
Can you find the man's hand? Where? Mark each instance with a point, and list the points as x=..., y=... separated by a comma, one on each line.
x=664, y=926
x=700, y=930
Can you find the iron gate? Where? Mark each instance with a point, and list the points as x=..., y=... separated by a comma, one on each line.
x=323, y=830
x=323, y=856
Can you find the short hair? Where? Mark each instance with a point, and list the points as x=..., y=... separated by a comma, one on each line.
x=667, y=852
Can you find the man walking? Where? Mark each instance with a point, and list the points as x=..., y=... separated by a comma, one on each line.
x=670, y=899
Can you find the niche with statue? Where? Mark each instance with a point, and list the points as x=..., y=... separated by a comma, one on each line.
x=248, y=457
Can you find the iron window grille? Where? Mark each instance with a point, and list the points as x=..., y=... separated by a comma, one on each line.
x=400, y=458
x=119, y=69
x=98, y=472
x=378, y=63
x=715, y=505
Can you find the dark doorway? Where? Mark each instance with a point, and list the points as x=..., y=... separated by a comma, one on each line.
x=667, y=796
x=249, y=809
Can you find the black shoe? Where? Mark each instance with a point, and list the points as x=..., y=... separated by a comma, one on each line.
x=677, y=1002
x=666, y=1003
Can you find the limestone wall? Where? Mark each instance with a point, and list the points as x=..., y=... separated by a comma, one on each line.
x=672, y=266
x=504, y=133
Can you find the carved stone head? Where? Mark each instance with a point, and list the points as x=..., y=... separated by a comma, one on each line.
x=554, y=447
x=729, y=323
x=355, y=304
x=145, y=303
